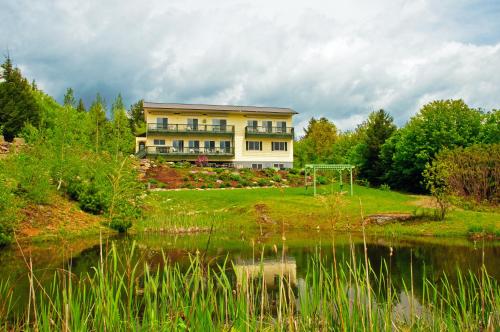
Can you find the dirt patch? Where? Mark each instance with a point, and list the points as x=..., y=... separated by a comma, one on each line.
x=51, y=219
x=262, y=211
x=423, y=201
x=169, y=176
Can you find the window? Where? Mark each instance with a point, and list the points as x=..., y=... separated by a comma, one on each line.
x=225, y=146
x=209, y=146
x=252, y=126
x=281, y=126
x=257, y=166
x=279, y=146
x=178, y=145
x=267, y=126
x=219, y=124
x=159, y=142
x=279, y=166
x=162, y=123
x=192, y=124
x=254, y=145
x=194, y=146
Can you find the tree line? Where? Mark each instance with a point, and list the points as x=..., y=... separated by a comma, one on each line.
x=386, y=155
x=80, y=153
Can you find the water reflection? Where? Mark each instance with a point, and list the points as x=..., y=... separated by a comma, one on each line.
x=271, y=271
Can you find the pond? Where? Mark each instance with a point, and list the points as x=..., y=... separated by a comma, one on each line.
x=289, y=253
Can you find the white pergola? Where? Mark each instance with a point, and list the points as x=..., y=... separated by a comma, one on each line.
x=333, y=167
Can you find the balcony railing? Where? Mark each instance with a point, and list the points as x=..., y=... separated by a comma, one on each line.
x=190, y=128
x=286, y=132
x=194, y=151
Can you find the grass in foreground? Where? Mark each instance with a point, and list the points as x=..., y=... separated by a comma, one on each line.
x=247, y=209
x=122, y=294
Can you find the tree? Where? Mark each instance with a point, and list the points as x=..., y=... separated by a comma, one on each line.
x=81, y=106
x=317, y=143
x=136, y=117
x=490, y=130
x=379, y=127
x=18, y=106
x=69, y=98
x=438, y=125
x=98, y=124
x=122, y=139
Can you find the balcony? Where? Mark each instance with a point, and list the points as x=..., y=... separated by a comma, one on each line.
x=188, y=152
x=278, y=132
x=175, y=129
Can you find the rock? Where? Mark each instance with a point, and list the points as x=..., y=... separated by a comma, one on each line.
x=19, y=141
x=387, y=218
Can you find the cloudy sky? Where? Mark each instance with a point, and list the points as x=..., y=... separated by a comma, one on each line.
x=339, y=59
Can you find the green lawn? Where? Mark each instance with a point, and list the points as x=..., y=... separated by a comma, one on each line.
x=240, y=210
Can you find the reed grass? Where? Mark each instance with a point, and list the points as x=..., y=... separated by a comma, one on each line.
x=125, y=293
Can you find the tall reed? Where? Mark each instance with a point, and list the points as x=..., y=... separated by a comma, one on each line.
x=123, y=293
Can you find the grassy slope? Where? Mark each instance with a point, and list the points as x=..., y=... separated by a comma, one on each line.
x=236, y=210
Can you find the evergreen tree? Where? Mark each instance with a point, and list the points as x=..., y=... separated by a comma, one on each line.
x=379, y=127
x=18, y=106
x=98, y=123
x=69, y=98
x=81, y=106
x=122, y=139
x=136, y=118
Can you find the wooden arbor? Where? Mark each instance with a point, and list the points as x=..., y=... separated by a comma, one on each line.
x=333, y=167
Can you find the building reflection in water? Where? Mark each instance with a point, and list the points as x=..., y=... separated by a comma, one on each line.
x=270, y=269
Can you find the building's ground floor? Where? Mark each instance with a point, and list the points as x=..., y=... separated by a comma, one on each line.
x=241, y=152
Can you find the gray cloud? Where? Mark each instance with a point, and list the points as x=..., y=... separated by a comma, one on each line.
x=319, y=57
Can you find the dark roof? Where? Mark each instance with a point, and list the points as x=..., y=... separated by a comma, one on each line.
x=220, y=108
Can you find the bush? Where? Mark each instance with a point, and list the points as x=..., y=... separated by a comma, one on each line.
x=363, y=183
x=32, y=178
x=385, y=187
x=320, y=179
x=8, y=213
x=263, y=182
x=276, y=178
x=294, y=171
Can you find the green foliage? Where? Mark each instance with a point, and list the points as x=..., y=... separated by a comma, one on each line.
x=385, y=187
x=136, y=118
x=316, y=145
x=121, y=139
x=438, y=125
x=8, y=210
x=472, y=173
x=379, y=128
x=17, y=103
x=490, y=130
x=98, y=124
x=435, y=175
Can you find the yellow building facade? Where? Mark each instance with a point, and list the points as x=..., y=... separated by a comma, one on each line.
x=245, y=136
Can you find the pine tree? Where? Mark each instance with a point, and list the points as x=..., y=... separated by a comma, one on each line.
x=379, y=127
x=18, y=106
x=69, y=98
x=122, y=139
x=98, y=124
x=81, y=106
x=136, y=118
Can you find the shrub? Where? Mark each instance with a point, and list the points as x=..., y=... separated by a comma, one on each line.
x=385, y=187
x=276, y=178
x=8, y=213
x=363, y=183
x=269, y=172
x=294, y=171
x=320, y=179
x=263, y=182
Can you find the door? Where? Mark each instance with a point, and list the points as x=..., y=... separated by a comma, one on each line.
x=142, y=146
x=209, y=146
x=267, y=126
x=192, y=124
x=161, y=123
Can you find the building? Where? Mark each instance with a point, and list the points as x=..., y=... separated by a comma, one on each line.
x=246, y=136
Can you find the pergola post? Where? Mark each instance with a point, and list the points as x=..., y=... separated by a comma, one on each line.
x=314, y=179
x=351, y=181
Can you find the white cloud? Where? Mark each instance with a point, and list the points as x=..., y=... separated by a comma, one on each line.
x=323, y=58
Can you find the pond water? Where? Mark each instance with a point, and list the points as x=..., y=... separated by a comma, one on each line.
x=433, y=257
